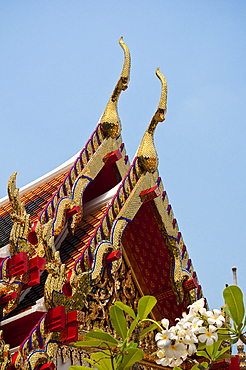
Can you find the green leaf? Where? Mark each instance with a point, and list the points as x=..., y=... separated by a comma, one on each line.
x=210, y=350
x=118, y=321
x=177, y=368
x=132, y=327
x=223, y=337
x=92, y=343
x=103, y=359
x=147, y=330
x=97, y=329
x=126, y=308
x=204, y=364
x=216, y=346
x=233, y=297
x=98, y=335
x=225, y=349
x=226, y=309
x=92, y=362
x=234, y=340
x=194, y=367
x=221, y=352
x=145, y=305
x=132, y=345
x=123, y=345
x=222, y=330
x=203, y=354
x=201, y=346
x=222, y=357
x=134, y=355
x=78, y=367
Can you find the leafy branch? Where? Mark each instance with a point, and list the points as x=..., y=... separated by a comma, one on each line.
x=119, y=354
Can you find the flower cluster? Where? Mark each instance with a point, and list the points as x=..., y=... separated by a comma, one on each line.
x=179, y=341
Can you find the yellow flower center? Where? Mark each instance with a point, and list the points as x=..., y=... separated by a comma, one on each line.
x=208, y=334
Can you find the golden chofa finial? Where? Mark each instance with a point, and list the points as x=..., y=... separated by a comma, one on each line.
x=110, y=120
x=146, y=152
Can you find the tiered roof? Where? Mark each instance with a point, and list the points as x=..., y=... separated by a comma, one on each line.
x=94, y=209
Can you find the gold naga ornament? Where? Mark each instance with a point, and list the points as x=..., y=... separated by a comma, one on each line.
x=110, y=121
x=146, y=152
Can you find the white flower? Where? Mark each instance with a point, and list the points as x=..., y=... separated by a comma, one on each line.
x=208, y=336
x=162, y=337
x=196, y=324
x=196, y=306
x=191, y=348
x=215, y=317
x=174, y=349
x=185, y=322
x=203, y=311
x=165, y=323
x=176, y=362
x=163, y=360
x=190, y=340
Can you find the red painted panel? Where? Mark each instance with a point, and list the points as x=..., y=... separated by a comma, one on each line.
x=152, y=261
x=17, y=330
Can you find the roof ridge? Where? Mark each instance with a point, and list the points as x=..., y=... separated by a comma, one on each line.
x=42, y=179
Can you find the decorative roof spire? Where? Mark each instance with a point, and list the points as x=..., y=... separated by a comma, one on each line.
x=234, y=272
x=241, y=354
x=146, y=152
x=110, y=120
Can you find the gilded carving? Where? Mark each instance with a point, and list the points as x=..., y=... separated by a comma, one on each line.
x=146, y=152
x=110, y=120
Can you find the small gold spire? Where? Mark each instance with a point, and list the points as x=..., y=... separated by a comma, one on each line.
x=146, y=152
x=110, y=120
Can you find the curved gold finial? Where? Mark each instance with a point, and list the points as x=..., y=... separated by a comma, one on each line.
x=126, y=67
x=163, y=99
x=146, y=152
x=110, y=120
x=13, y=193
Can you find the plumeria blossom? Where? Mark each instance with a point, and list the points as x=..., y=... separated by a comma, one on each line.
x=191, y=340
x=209, y=336
x=196, y=306
x=165, y=323
x=179, y=341
x=215, y=317
x=162, y=337
x=175, y=349
x=196, y=324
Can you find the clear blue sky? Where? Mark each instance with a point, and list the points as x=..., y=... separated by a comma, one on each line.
x=59, y=62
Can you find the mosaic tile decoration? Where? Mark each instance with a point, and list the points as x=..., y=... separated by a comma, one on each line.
x=70, y=250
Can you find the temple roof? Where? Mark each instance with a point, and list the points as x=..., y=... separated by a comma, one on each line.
x=89, y=221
